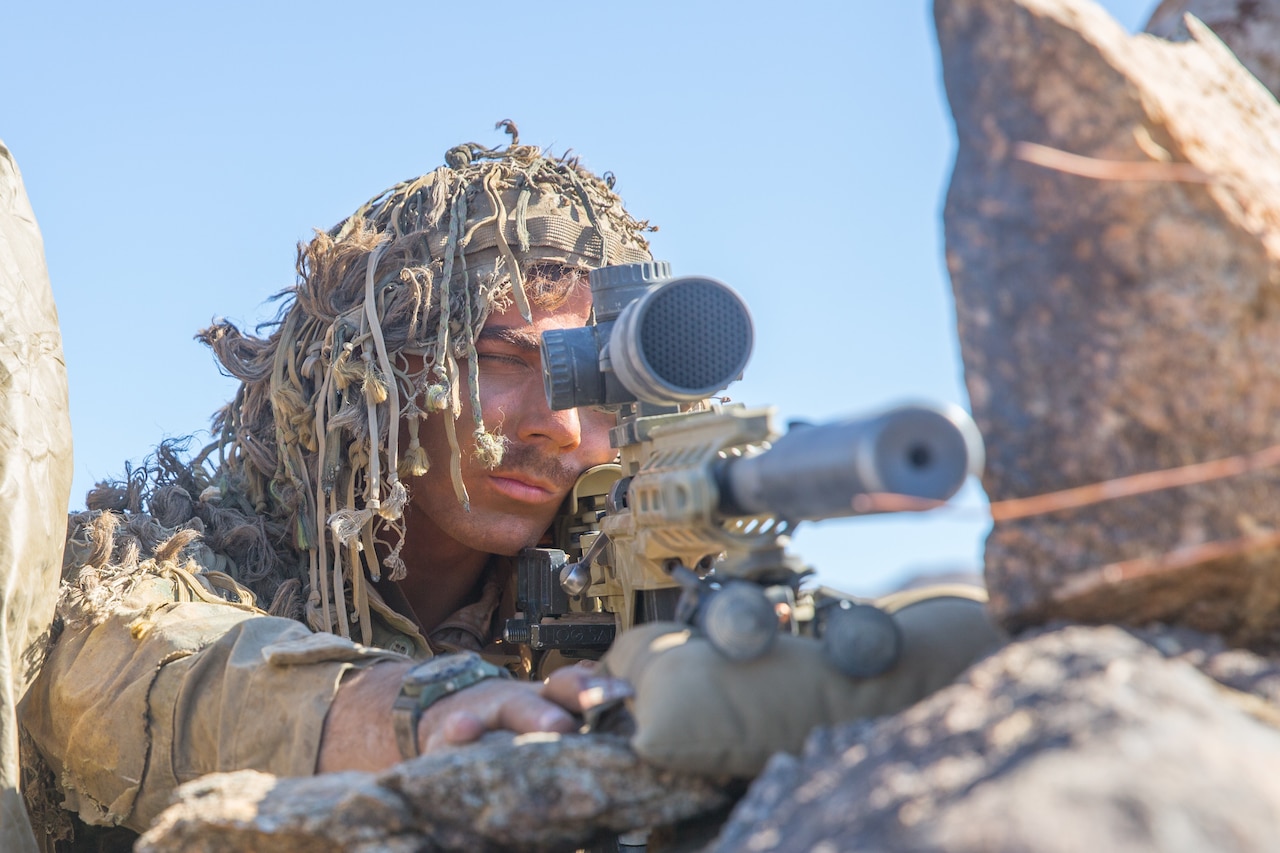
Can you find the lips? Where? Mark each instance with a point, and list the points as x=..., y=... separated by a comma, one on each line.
x=523, y=488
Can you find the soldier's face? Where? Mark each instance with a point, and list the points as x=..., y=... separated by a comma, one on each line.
x=513, y=504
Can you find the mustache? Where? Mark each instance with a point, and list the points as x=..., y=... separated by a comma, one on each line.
x=523, y=459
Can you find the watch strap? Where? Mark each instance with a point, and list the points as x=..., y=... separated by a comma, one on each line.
x=428, y=683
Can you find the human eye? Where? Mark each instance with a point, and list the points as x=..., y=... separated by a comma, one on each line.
x=496, y=358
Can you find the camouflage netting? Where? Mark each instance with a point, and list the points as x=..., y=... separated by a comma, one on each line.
x=306, y=478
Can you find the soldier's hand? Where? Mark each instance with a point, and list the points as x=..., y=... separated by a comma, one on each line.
x=521, y=707
x=358, y=732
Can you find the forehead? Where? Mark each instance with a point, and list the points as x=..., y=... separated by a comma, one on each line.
x=573, y=312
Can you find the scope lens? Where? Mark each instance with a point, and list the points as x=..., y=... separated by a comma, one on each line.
x=682, y=341
x=694, y=335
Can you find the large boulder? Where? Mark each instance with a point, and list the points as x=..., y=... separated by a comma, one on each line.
x=1250, y=28
x=35, y=478
x=1117, y=320
x=1077, y=739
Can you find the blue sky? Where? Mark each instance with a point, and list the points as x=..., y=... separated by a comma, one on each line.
x=175, y=154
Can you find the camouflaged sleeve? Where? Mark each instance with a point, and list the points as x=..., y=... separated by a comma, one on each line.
x=161, y=692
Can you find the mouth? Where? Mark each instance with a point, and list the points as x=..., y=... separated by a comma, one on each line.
x=523, y=488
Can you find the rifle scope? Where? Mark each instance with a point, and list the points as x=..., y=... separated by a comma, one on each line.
x=654, y=338
x=817, y=472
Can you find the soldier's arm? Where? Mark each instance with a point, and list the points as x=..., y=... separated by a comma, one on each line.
x=159, y=693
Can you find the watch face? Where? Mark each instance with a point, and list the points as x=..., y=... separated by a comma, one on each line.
x=441, y=669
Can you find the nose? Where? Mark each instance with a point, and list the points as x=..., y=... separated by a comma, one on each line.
x=560, y=431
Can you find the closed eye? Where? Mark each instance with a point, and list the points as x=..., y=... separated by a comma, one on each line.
x=500, y=356
x=502, y=360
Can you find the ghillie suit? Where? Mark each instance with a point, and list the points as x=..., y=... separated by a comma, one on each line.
x=305, y=482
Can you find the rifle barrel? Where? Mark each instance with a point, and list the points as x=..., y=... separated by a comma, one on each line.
x=816, y=472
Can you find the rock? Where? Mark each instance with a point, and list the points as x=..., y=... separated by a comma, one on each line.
x=1251, y=28
x=1076, y=739
x=1117, y=327
x=248, y=810
x=545, y=792
x=505, y=793
x=35, y=482
x=1238, y=669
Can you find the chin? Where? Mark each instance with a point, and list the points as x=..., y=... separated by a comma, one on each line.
x=510, y=542
x=509, y=550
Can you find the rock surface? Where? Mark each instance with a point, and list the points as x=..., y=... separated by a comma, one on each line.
x=1121, y=326
x=529, y=793
x=1078, y=739
x=1251, y=28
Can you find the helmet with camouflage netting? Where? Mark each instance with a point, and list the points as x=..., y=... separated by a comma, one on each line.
x=304, y=481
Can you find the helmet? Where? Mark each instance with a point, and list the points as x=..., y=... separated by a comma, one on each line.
x=386, y=308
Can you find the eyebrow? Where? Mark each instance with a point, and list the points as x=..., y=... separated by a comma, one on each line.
x=520, y=338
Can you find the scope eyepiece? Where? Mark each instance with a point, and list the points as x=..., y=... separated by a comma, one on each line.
x=571, y=374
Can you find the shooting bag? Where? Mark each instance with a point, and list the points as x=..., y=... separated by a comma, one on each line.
x=698, y=712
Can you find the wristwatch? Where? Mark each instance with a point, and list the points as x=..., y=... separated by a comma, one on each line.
x=431, y=681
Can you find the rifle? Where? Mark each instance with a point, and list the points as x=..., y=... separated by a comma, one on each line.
x=693, y=522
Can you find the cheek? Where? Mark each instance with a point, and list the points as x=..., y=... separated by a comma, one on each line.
x=595, y=435
x=500, y=399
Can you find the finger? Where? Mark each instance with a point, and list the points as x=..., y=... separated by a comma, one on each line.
x=579, y=690
x=464, y=716
x=527, y=713
x=453, y=729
